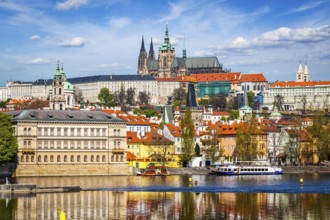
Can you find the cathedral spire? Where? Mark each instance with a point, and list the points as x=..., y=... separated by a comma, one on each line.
x=142, y=45
x=151, y=51
x=306, y=69
x=184, y=52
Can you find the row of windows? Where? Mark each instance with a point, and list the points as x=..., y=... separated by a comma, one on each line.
x=72, y=144
x=72, y=132
x=72, y=158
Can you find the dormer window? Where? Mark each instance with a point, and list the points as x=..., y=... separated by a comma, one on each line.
x=50, y=116
x=90, y=116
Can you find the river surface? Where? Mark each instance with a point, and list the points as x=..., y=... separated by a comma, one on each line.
x=175, y=197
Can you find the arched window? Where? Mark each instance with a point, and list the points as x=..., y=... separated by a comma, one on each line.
x=258, y=87
x=121, y=158
x=51, y=158
x=65, y=158
x=103, y=158
x=117, y=159
x=45, y=158
x=115, y=132
x=27, y=158
x=78, y=158
x=29, y=131
x=68, y=100
x=248, y=88
x=254, y=87
x=59, y=91
x=24, y=144
x=243, y=88
x=54, y=91
x=22, y=158
x=39, y=158
x=29, y=144
x=98, y=158
x=92, y=158
x=61, y=107
x=112, y=158
x=58, y=158
x=25, y=129
x=85, y=158
x=118, y=132
x=32, y=158
x=72, y=158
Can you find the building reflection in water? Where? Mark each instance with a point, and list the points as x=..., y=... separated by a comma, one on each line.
x=166, y=205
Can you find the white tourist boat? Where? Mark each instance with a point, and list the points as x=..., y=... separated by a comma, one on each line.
x=246, y=168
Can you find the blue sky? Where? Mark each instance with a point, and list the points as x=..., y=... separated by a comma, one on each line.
x=92, y=37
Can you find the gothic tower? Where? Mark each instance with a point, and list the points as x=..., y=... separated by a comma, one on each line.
x=151, y=51
x=306, y=73
x=142, y=64
x=166, y=56
x=300, y=74
x=57, y=97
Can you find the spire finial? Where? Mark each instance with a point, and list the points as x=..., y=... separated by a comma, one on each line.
x=58, y=65
x=142, y=45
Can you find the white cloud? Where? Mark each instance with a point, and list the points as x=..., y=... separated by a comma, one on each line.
x=74, y=42
x=68, y=4
x=35, y=37
x=38, y=61
x=119, y=22
x=304, y=7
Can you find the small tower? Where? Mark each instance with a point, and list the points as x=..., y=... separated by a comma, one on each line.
x=57, y=97
x=151, y=51
x=300, y=73
x=306, y=74
x=142, y=64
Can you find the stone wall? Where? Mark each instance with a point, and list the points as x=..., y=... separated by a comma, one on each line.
x=29, y=170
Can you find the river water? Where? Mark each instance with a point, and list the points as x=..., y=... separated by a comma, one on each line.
x=175, y=197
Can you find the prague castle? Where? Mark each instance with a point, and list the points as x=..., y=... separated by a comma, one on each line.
x=168, y=65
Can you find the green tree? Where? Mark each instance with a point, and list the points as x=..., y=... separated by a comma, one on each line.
x=246, y=142
x=197, y=150
x=233, y=114
x=278, y=101
x=319, y=136
x=218, y=101
x=143, y=98
x=212, y=148
x=250, y=98
x=203, y=102
x=122, y=94
x=179, y=94
x=8, y=141
x=187, y=138
x=105, y=97
x=130, y=96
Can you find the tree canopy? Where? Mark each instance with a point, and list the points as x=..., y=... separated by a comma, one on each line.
x=105, y=97
x=187, y=138
x=8, y=141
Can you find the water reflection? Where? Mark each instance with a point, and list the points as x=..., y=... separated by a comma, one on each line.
x=167, y=205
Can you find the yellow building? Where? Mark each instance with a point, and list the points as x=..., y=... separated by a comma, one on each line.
x=69, y=143
x=150, y=147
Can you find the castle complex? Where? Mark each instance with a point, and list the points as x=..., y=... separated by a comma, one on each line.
x=168, y=65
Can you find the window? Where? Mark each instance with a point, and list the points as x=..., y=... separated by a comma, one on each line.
x=45, y=158
x=65, y=158
x=66, y=132
x=39, y=158
x=24, y=144
x=72, y=132
x=85, y=158
x=78, y=144
x=71, y=144
x=58, y=132
x=118, y=132
x=112, y=158
x=65, y=144
x=92, y=144
x=86, y=132
x=115, y=132
x=45, y=131
x=121, y=158
x=92, y=131
x=45, y=144
x=52, y=131
x=78, y=158
x=98, y=145
x=103, y=145
x=58, y=158
x=117, y=158
x=39, y=131
x=59, y=144
x=25, y=131
x=85, y=144
x=98, y=158
x=32, y=158
x=72, y=158
x=22, y=158
x=92, y=158
x=29, y=131
x=103, y=158
x=51, y=158
x=78, y=131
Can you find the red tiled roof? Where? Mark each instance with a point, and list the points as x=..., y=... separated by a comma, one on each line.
x=221, y=113
x=130, y=156
x=175, y=130
x=135, y=120
x=253, y=77
x=299, y=84
x=209, y=77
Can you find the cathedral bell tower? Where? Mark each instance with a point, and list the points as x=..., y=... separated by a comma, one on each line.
x=302, y=74
x=166, y=56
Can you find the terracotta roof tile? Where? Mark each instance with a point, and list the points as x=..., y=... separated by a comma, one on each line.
x=299, y=84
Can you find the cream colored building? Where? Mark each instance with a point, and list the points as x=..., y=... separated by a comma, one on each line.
x=69, y=143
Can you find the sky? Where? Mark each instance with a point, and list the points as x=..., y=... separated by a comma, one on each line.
x=96, y=37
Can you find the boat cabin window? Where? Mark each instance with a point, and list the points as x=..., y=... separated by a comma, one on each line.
x=235, y=169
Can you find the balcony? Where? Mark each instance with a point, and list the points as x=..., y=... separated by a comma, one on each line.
x=118, y=150
x=28, y=151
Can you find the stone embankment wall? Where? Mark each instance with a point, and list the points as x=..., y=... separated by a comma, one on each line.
x=306, y=169
x=72, y=170
x=189, y=171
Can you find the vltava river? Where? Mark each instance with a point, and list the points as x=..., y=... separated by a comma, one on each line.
x=175, y=197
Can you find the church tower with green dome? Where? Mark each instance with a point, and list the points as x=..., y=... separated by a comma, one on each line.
x=62, y=91
x=166, y=56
